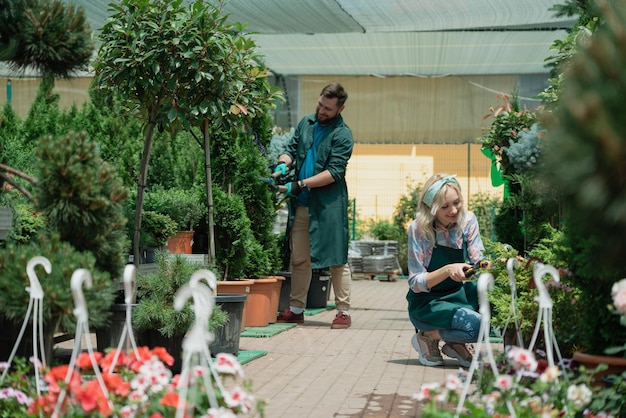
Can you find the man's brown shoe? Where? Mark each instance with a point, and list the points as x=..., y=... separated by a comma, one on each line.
x=288, y=316
x=342, y=320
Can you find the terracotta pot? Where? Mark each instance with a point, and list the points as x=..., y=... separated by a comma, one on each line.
x=617, y=365
x=275, y=297
x=180, y=243
x=236, y=287
x=258, y=304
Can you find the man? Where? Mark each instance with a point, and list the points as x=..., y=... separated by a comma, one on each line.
x=318, y=210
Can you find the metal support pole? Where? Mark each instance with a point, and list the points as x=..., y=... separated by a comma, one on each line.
x=9, y=91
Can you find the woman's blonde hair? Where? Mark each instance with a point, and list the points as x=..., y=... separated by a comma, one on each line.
x=426, y=215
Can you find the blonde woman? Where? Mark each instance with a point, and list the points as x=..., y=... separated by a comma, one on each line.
x=443, y=240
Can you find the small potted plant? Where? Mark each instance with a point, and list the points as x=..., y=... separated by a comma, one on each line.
x=185, y=208
x=156, y=230
x=155, y=317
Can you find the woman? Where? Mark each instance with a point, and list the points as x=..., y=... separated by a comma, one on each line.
x=443, y=305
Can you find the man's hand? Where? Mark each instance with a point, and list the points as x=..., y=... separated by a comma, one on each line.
x=293, y=189
x=280, y=168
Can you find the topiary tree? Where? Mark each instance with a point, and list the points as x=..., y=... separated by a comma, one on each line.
x=51, y=36
x=179, y=67
x=82, y=197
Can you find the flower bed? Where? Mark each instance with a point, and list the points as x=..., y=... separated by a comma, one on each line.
x=139, y=384
x=526, y=387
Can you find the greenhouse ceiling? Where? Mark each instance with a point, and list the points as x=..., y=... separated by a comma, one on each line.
x=423, y=38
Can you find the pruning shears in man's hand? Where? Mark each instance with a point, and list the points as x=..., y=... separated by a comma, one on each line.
x=470, y=271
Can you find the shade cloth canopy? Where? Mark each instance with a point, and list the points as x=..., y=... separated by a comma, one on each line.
x=393, y=37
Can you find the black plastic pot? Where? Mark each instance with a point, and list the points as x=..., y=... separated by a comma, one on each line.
x=319, y=290
x=227, y=336
x=109, y=337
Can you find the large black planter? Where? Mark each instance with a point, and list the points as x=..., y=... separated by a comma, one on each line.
x=319, y=290
x=109, y=337
x=174, y=346
x=9, y=334
x=227, y=336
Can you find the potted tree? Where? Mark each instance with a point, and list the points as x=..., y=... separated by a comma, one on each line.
x=157, y=229
x=160, y=324
x=184, y=207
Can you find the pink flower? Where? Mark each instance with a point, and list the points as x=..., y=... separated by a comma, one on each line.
x=521, y=358
x=426, y=391
x=504, y=382
x=227, y=364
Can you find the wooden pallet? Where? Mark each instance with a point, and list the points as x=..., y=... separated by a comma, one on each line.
x=390, y=276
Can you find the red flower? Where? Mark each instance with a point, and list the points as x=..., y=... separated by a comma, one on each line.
x=169, y=399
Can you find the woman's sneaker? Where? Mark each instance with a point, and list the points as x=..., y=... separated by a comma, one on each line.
x=428, y=349
x=458, y=351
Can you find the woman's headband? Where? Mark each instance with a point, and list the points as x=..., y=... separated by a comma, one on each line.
x=429, y=196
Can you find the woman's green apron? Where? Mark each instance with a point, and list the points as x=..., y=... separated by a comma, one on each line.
x=438, y=306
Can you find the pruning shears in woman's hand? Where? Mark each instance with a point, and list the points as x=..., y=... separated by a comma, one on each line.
x=470, y=271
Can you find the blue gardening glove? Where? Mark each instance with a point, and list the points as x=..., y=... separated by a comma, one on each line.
x=293, y=189
x=281, y=167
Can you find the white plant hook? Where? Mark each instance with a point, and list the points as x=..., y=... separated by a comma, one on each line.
x=196, y=342
x=511, y=265
x=35, y=305
x=80, y=277
x=545, y=312
x=484, y=285
x=129, y=292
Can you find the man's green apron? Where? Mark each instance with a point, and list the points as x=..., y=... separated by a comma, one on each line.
x=438, y=306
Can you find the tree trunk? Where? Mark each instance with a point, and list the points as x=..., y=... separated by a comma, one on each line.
x=209, y=189
x=141, y=187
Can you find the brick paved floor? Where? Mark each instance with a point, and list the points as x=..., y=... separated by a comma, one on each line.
x=368, y=370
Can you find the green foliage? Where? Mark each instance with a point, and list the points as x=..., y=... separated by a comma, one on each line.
x=566, y=48
x=49, y=35
x=182, y=67
x=156, y=293
x=278, y=143
x=27, y=223
x=485, y=207
x=565, y=296
x=509, y=121
x=185, y=207
x=177, y=161
x=82, y=198
x=118, y=135
x=21, y=378
x=58, y=302
x=385, y=230
x=44, y=118
x=584, y=162
x=402, y=217
x=156, y=229
x=232, y=234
